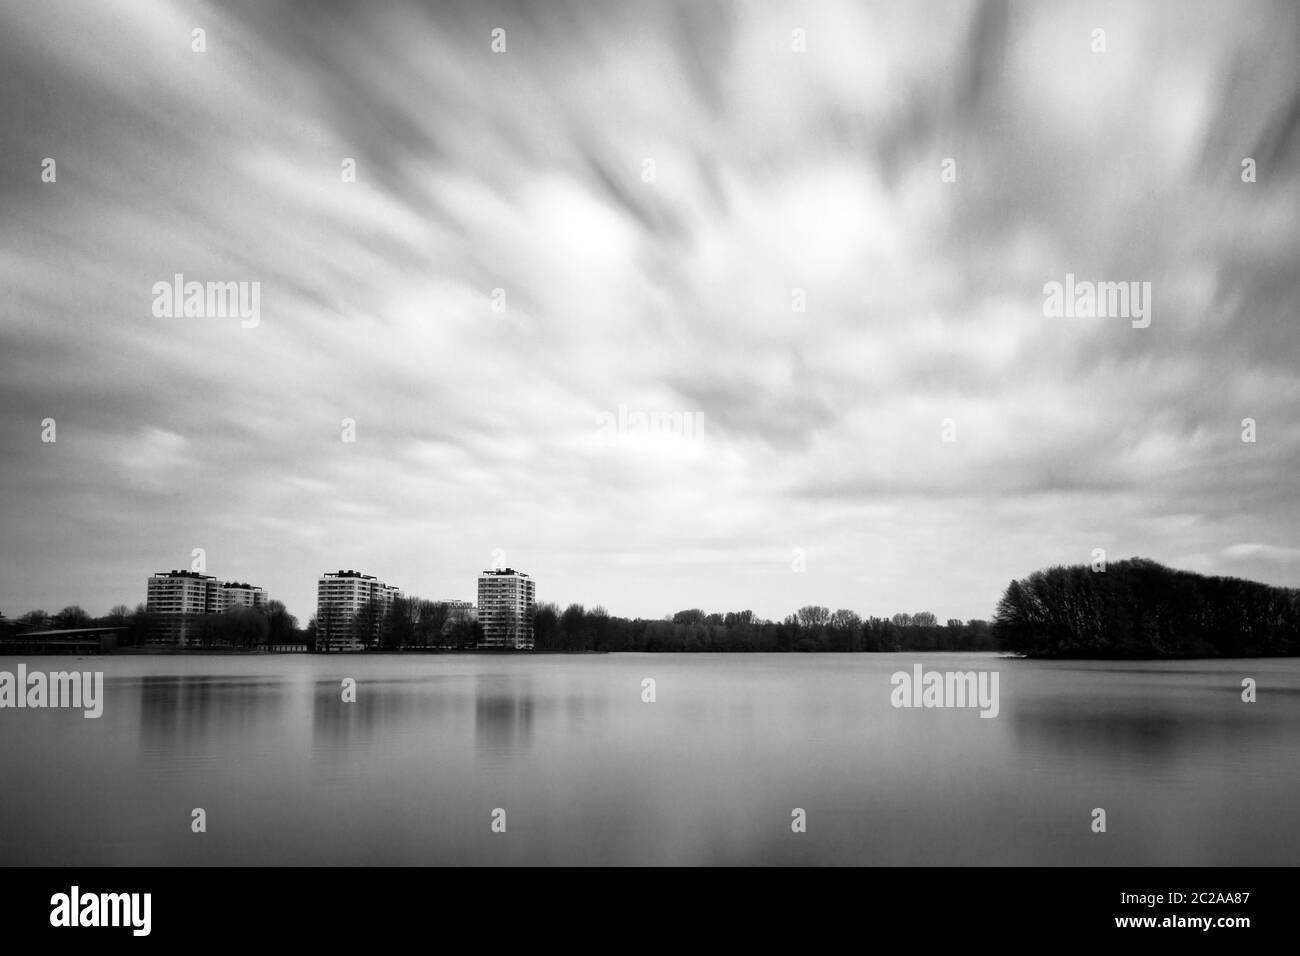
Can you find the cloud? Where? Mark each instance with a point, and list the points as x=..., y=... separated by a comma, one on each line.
x=778, y=177
x=1266, y=552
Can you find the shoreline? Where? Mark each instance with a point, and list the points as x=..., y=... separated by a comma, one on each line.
x=496, y=652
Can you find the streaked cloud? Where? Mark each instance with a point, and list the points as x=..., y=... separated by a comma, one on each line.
x=525, y=172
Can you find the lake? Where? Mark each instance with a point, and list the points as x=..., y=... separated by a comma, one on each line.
x=709, y=773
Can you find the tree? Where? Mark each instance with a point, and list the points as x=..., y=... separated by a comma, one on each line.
x=397, y=623
x=332, y=625
x=248, y=627
x=813, y=616
x=846, y=631
x=282, y=626
x=844, y=618
x=432, y=622
x=572, y=628
x=366, y=624
x=71, y=616
x=143, y=625
x=118, y=616
x=237, y=626
x=464, y=633
x=1138, y=608
x=546, y=627
x=599, y=629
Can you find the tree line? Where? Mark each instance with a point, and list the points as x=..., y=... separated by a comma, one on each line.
x=404, y=623
x=410, y=623
x=1139, y=608
x=239, y=626
x=809, y=629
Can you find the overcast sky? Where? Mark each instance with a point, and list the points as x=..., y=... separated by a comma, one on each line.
x=525, y=171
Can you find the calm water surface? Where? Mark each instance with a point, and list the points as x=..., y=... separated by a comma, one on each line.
x=708, y=774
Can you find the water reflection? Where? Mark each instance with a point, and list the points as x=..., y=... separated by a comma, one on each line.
x=503, y=715
x=708, y=774
x=381, y=707
x=1160, y=731
x=183, y=714
x=501, y=707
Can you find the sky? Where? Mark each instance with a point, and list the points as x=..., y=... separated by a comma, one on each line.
x=821, y=232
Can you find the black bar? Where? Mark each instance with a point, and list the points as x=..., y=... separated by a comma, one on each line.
x=635, y=906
